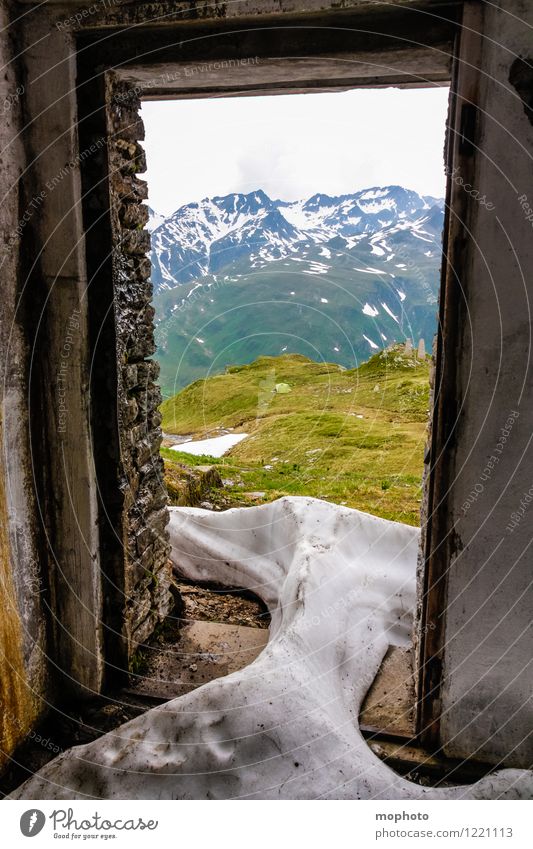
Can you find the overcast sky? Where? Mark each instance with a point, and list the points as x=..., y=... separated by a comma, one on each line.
x=293, y=146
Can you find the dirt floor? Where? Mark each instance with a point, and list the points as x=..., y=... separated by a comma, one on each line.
x=216, y=604
x=215, y=632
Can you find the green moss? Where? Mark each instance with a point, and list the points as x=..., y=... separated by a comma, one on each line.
x=138, y=663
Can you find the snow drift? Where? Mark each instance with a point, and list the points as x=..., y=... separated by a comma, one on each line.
x=340, y=587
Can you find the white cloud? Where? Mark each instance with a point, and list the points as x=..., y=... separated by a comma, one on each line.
x=295, y=145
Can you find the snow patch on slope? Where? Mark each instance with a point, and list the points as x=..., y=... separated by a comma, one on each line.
x=371, y=343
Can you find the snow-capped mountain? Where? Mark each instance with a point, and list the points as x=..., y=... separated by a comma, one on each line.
x=203, y=238
x=333, y=278
x=154, y=220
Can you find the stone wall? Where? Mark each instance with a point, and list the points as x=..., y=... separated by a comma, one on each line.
x=147, y=595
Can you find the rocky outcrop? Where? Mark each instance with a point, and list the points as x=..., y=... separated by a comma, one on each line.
x=190, y=486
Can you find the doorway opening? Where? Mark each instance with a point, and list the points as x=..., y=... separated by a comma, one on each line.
x=296, y=279
x=296, y=246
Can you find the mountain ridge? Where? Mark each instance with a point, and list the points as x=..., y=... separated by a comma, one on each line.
x=183, y=242
x=330, y=277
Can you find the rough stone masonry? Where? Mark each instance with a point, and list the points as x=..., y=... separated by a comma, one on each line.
x=147, y=575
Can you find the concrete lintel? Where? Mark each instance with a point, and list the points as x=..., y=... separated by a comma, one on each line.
x=294, y=75
x=81, y=14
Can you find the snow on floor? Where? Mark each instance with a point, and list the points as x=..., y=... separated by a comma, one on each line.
x=340, y=587
x=215, y=447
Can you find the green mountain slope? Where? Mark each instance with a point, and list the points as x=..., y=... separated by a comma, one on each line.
x=244, y=317
x=351, y=436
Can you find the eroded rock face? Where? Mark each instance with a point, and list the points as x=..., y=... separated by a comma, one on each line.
x=340, y=587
